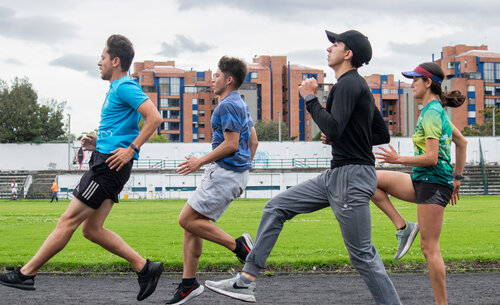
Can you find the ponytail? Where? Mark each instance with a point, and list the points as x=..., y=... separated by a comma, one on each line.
x=451, y=99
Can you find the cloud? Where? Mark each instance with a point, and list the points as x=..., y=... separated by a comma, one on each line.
x=13, y=61
x=183, y=44
x=82, y=63
x=299, y=10
x=35, y=28
x=305, y=57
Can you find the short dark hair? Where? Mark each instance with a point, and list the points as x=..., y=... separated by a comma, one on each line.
x=235, y=67
x=355, y=63
x=119, y=46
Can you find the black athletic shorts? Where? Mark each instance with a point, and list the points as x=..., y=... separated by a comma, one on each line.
x=100, y=182
x=432, y=193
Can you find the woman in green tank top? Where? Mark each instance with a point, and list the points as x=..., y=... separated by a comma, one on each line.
x=434, y=183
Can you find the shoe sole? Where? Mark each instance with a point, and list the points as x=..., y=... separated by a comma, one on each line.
x=151, y=284
x=409, y=242
x=234, y=295
x=248, y=240
x=18, y=286
x=191, y=296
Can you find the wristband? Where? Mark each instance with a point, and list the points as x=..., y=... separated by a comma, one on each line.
x=133, y=147
x=309, y=97
x=457, y=176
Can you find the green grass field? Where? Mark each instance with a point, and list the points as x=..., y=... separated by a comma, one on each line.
x=471, y=232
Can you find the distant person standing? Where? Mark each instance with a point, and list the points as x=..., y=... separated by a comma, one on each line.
x=13, y=187
x=113, y=151
x=53, y=188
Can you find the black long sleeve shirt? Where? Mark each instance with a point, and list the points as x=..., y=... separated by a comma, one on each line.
x=351, y=121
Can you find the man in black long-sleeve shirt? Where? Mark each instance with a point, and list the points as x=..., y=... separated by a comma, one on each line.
x=352, y=124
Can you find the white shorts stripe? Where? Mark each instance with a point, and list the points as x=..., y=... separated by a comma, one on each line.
x=90, y=190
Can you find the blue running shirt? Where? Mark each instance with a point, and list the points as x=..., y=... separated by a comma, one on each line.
x=119, y=124
x=233, y=114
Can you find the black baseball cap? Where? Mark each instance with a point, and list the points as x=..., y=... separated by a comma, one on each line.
x=356, y=42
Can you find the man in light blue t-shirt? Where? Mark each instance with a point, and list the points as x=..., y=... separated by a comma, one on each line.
x=114, y=149
x=234, y=142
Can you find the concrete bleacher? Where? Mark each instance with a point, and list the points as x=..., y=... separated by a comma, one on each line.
x=41, y=183
x=6, y=179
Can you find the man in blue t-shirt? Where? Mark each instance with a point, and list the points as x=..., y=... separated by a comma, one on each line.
x=114, y=149
x=234, y=142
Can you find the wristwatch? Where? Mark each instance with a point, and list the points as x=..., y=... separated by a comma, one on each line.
x=134, y=147
x=309, y=97
x=457, y=176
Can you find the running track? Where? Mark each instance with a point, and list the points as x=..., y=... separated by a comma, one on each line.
x=463, y=289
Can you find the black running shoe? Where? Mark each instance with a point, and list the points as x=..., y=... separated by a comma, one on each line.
x=149, y=279
x=18, y=280
x=247, y=246
x=185, y=293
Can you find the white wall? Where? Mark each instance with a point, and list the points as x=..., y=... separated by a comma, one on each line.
x=55, y=156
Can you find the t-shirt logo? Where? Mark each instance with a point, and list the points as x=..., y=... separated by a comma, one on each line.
x=105, y=134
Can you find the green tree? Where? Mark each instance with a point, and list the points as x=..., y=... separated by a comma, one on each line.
x=158, y=138
x=485, y=129
x=269, y=131
x=22, y=119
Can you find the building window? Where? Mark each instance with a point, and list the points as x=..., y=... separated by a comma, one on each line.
x=471, y=101
x=307, y=123
x=451, y=65
x=148, y=88
x=190, y=89
x=389, y=91
x=142, y=78
x=195, y=136
x=254, y=75
x=201, y=124
x=174, y=137
x=170, y=102
x=488, y=90
x=465, y=63
x=194, y=101
x=200, y=76
x=471, y=114
x=201, y=101
x=489, y=102
x=174, y=125
x=471, y=88
x=195, y=112
x=489, y=72
x=170, y=85
x=214, y=101
x=201, y=113
x=201, y=136
x=497, y=72
x=195, y=125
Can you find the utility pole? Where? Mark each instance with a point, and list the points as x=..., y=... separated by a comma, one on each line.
x=279, y=126
x=69, y=141
x=493, y=111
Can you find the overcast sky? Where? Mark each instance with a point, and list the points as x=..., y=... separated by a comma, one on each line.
x=57, y=43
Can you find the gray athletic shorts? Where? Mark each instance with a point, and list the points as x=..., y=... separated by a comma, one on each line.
x=217, y=189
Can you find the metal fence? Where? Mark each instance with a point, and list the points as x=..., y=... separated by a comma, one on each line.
x=260, y=163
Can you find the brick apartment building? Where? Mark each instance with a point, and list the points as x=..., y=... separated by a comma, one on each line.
x=184, y=99
x=476, y=73
x=278, y=95
x=186, y=102
x=394, y=105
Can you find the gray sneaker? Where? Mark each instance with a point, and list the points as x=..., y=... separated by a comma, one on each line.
x=406, y=238
x=234, y=288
